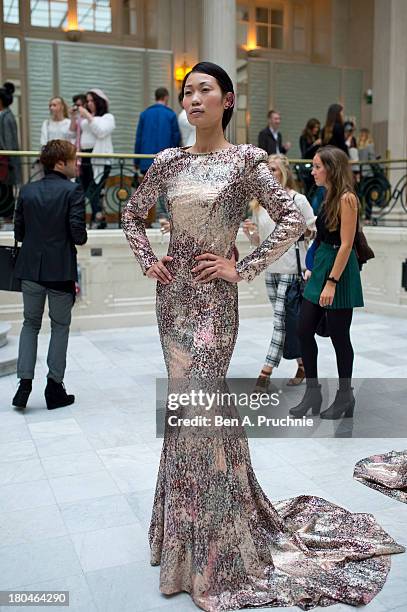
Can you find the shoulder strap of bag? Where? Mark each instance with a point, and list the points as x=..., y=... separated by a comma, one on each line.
x=297, y=250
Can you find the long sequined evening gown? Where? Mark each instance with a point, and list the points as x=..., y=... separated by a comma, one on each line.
x=213, y=530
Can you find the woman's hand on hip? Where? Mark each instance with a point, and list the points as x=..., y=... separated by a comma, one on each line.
x=159, y=270
x=212, y=266
x=327, y=296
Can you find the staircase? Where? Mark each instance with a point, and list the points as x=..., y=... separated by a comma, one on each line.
x=8, y=351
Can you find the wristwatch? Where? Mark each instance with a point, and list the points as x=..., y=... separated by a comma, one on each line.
x=333, y=280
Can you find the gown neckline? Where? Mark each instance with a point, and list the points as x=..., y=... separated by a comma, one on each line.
x=183, y=149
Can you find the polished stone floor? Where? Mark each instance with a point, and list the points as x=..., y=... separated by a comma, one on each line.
x=76, y=484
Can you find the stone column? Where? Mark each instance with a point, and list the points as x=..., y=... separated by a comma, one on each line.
x=219, y=34
x=218, y=41
x=389, y=110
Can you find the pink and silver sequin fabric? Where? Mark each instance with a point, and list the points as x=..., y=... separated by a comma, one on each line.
x=386, y=473
x=213, y=531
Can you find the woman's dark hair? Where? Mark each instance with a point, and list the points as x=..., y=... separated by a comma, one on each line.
x=6, y=94
x=101, y=107
x=81, y=97
x=308, y=130
x=333, y=117
x=224, y=82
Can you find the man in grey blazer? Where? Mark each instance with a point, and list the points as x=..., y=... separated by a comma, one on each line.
x=49, y=221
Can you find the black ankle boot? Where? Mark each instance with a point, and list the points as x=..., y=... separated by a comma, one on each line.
x=342, y=405
x=23, y=393
x=56, y=396
x=312, y=399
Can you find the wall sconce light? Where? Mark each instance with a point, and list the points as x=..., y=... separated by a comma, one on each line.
x=181, y=71
x=72, y=31
x=368, y=96
x=251, y=47
x=73, y=35
x=253, y=52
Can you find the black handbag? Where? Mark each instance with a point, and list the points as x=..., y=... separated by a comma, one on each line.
x=8, y=257
x=323, y=327
x=293, y=301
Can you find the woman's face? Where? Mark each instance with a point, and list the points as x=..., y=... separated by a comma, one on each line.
x=319, y=172
x=315, y=129
x=55, y=107
x=342, y=115
x=275, y=168
x=204, y=101
x=90, y=103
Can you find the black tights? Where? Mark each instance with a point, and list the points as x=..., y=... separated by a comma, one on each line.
x=339, y=328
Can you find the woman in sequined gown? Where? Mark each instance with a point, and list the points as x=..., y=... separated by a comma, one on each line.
x=213, y=530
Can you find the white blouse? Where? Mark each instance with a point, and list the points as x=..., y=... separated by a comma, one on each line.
x=287, y=264
x=51, y=130
x=97, y=135
x=188, y=131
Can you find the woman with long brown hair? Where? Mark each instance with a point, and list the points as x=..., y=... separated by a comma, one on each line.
x=334, y=284
x=333, y=132
x=310, y=139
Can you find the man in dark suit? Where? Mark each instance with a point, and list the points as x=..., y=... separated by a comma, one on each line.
x=270, y=138
x=49, y=221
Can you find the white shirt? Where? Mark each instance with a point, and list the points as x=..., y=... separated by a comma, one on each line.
x=188, y=131
x=97, y=135
x=51, y=130
x=287, y=264
x=275, y=136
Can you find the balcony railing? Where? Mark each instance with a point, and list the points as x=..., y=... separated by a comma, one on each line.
x=381, y=186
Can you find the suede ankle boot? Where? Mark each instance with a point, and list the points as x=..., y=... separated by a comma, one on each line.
x=23, y=393
x=312, y=400
x=342, y=406
x=56, y=395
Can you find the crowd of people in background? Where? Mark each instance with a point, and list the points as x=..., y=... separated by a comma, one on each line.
x=89, y=124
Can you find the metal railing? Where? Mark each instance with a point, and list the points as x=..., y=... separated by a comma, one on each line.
x=380, y=184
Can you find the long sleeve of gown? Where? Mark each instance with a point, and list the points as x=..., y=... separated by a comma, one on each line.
x=136, y=211
x=290, y=224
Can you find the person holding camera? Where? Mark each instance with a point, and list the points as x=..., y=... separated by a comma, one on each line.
x=96, y=126
x=49, y=221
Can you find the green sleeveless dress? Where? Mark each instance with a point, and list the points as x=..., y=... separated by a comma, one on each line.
x=348, y=293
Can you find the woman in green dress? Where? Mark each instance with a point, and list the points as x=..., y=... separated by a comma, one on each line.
x=334, y=285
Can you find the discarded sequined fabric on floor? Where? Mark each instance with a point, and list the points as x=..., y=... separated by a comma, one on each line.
x=386, y=473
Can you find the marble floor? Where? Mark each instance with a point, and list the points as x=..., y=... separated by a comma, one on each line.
x=76, y=484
